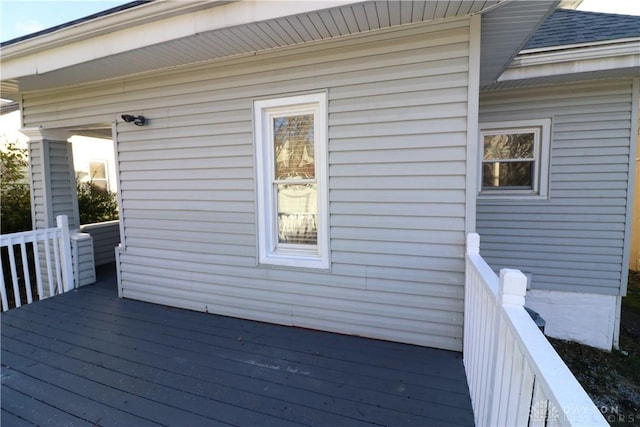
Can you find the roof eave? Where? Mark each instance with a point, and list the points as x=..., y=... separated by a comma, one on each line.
x=87, y=52
x=127, y=18
x=569, y=47
x=617, y=58
x=138, y=28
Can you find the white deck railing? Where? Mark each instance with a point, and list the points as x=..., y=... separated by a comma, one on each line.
x=515, y=376
x=51, y=250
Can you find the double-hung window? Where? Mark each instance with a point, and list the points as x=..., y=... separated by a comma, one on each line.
x=98, y=174
x=291, y=166
x=515, y=158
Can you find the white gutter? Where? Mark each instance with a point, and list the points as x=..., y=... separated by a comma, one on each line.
x=592, y=57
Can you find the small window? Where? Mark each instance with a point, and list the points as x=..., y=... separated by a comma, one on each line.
x=291, y=168
x=515, y=158
x=98, y=174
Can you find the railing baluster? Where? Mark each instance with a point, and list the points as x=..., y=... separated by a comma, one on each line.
x=3, y=291
x=36, y=261
x=50, y=267
x=14, y=275
x=25, y=270
x=517, y=382
x=58, y=267
x=539, y=407
x=64, y=244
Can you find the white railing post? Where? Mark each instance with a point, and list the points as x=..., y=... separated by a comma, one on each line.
x=513, y=287
x=65, y=250
x=511, y=291
x=473, y=243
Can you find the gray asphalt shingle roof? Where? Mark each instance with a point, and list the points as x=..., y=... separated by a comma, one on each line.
x=566, y=27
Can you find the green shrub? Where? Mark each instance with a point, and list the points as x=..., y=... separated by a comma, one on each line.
x=15, y=197
x=96, y=204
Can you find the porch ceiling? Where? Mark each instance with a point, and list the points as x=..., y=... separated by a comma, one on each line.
x=100, y=130
x=133, y=42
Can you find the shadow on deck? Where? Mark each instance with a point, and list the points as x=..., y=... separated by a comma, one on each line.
x=90, y=358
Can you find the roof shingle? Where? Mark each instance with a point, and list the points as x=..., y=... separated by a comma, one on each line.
x=566, y=27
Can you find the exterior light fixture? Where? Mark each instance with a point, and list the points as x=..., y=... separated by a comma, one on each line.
x=137, y=120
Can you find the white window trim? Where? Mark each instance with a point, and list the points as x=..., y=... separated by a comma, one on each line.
x=268, y=251
x=542, y=128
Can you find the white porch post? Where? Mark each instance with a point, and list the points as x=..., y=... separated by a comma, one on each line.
x=53, y=189
x=51, y=178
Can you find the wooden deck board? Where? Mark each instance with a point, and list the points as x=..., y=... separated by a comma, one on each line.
x=90, y=357
x=77, y=405
x=33, y=411
x=11, y=420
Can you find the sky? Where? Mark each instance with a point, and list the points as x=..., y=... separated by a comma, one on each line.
x=22, y=17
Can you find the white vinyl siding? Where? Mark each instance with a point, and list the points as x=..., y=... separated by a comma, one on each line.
x=106, y=237
x=54, y=184
x=574, y=241
x=397, y=134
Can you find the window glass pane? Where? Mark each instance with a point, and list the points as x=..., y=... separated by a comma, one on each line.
x=97, y=170
x=507, y=174
x=98, y=174
x=293, y=145
x=297, y=213
x=509, y=146
x=101, y=184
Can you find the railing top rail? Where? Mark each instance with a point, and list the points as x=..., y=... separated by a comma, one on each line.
x=29, y=236
x=99, y=224
x=489, y=277
x=554, y=377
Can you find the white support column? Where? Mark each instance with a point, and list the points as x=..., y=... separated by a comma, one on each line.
x=53, y=190
x=51, y=172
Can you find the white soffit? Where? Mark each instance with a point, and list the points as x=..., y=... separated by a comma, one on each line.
x=222, y=29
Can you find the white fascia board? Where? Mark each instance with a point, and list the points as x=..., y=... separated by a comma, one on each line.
x=69, y=47
x=558, y=62
x=114, y=22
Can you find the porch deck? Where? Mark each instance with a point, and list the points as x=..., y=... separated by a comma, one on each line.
x=90, y=358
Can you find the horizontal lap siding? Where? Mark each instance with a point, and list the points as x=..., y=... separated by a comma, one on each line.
x=62, y=181
x=397, y=133
x=38, y=201
x=106, y=237
x=59, y=186
x=574, y=241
